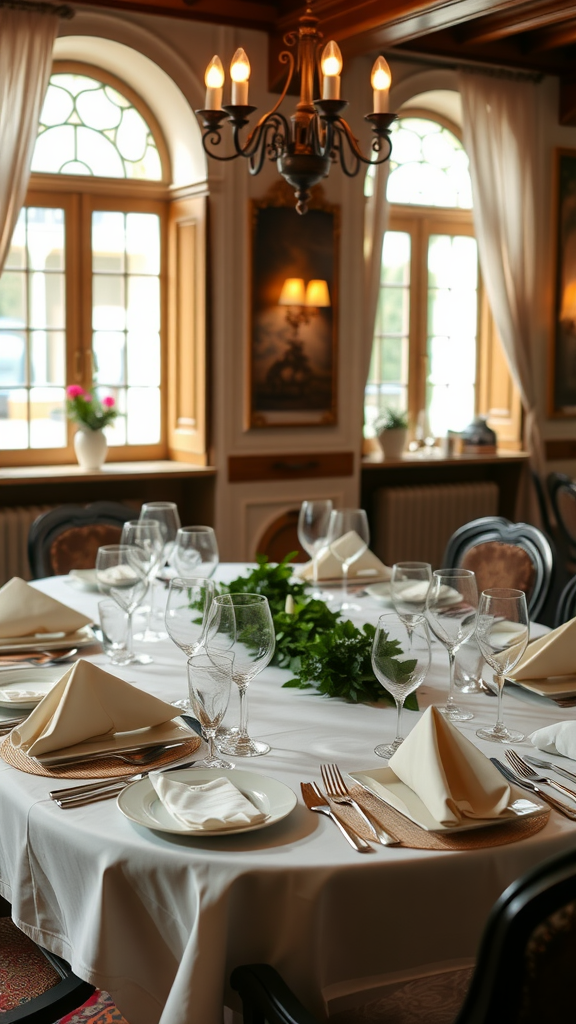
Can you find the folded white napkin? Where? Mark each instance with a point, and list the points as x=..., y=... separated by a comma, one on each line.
x=551, y=655
x=330, y=567
x=25, y=611
x=213, y=805
x=450, y=775
x=559, y=738
x=88, y=702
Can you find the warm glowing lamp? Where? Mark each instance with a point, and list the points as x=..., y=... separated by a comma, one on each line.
x=568, y=310
x=293, y=293
x=214, y=80
x=317, y=294
x=331, y=64
x=240, y=73
x=380, y=79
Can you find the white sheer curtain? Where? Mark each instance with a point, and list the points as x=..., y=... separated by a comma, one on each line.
x=501, y=137
x=375, y=224
x=26, y=42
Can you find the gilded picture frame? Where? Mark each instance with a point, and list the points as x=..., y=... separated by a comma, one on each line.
x=562, y=367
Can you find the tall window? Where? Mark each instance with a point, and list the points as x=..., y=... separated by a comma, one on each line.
x=426, y=354
x=81, y=294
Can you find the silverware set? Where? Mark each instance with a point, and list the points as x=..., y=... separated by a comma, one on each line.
x=93, y=792
x=7, y=724
x=520, y=773
x=337, y=793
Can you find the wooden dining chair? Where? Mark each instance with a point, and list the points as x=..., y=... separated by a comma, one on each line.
x=505, y=554
x=68, y=537
x=566, y=608
x=523, y=973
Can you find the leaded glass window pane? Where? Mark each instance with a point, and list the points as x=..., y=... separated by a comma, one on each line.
x=428, y=166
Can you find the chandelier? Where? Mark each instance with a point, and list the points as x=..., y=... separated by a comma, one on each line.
x=317, y=136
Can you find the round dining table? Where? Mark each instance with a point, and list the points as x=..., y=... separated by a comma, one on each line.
x=159, y=920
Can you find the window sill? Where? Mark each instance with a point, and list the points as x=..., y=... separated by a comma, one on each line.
x=161, y=469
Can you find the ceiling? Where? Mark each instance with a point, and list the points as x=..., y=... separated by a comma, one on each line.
x=529, y=35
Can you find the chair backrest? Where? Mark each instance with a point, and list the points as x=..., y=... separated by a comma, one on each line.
x=526, y=960
x=504, y=554
x=562, y=491
x=69, y=536
x=566, y=608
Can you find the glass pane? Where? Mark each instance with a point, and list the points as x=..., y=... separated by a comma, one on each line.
x=132, y=136
x=47, y=418
x=143, y=304
x=16, y=258
x=13, y=419
x=428, y=165
x=48, y=357
x=47, y=300
x=116, y=432
x=45, y=238
x=12, y=299
x=388, y=379
x=144, y=359
x=143, y=243
x=109, y=356
x=143, y=406
x=108, y=313
x=96, y=110
x=12, y=358
x=54, y=147
x=396, y=258
x=108, y=242
x=58, y=105
x=98, y=153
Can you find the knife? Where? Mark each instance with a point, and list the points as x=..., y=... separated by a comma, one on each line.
x=316, y=802
x=54, y=760
x=533, y=788
x=64, y=797
x=549, y=764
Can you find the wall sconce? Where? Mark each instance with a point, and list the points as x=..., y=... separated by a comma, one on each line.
x=303, y=302
x=568, y=309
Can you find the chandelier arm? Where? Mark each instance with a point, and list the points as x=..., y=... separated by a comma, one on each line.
x=267, y=148
x=344, y=129
x=257, y=138
x=284, y=58
x=214, y=138
x=338, y=148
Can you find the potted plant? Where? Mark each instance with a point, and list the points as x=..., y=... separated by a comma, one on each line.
x=392, y=430
x=91, y=415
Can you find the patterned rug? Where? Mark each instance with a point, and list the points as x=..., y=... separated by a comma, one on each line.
x=99, y=1009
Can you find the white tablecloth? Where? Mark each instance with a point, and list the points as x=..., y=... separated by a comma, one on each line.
x=160, y=921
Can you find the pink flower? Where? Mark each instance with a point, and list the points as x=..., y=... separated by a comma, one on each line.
x=108, y=402
x=74, y=391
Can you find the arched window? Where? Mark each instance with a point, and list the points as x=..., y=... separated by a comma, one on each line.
x=427, y=359
x=81, y=294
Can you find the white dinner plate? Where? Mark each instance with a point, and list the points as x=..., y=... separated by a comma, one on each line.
x=379, y=591
x=388, y=787
x=140, y=803
x=25, y=687
x=81, y=638
x=83, y=579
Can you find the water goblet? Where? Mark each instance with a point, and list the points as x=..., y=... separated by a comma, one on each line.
x=409, y=588
x=451, y=610
x=121, y=575
x=348, y=538
x=400, y=670
x=147, y=535
x=187, y=608
x=241, y=624
x=502, y=633
x=468, y=668
x=165, y=513
x=114, y=626
x=209, y=681
x=313, y=522
x=195, y=551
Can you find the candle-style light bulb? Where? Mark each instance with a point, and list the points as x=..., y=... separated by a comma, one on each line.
x=331, y=65
x=240, y=73
x=380, y=79
x=214, y=80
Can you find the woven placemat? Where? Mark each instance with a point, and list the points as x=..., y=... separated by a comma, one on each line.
x=417, y=838
x=103, y=768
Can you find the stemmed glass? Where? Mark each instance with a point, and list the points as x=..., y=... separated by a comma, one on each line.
x=502, y=633
x=451, y=610
x=121, y=574
x=147, y=536
x=166, y=514
x=209, y=681
x=400, y=671
x=187, y=608
x=242, y=625
x=195, y=551
x=348, y=538
x=313, y=522
x=409, y=588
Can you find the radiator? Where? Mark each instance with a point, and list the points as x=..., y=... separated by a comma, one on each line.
x=15, y=524
x=416, y=523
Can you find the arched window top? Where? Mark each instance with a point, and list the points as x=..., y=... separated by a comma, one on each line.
x=428, y=166
x=91, y=127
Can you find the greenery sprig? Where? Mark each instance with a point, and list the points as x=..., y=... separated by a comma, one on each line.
x=322, y=651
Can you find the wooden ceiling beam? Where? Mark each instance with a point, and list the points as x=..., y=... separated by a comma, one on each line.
x=244, y=14
x=552, y=39
x=531, y=17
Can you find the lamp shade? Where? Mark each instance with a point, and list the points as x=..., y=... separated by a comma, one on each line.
x=317, y=293
x=292, y=293
x=568, y=310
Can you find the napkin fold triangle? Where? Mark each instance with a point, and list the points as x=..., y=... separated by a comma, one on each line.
x=551, y=655
x=450, y=775
x=25, y=611
x=330, y=567
x=88, y=702
x=559, y=738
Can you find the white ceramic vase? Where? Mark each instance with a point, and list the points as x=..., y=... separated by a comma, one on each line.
x=91, y=448
x=393, y=442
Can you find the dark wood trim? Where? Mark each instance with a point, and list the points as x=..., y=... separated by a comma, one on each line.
x=561, y=448
x=289, y=466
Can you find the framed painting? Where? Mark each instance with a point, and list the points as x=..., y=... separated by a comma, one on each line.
x=562, y=372
x=294, y=323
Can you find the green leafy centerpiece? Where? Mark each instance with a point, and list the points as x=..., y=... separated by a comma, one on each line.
x=321, y=650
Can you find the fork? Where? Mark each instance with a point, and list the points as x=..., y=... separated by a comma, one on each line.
x=517, y=780
x=338, y=792
x=135, y=758
x=523, y=768
x=315, y=801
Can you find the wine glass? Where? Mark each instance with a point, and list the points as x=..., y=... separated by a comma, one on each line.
x=242, y=625
x=146, y=535
x=400, y=669
x=313, y=522
x=209, y=681
x=166, y=514
x=502, y=633
x=348, y=538
x=409, y=588
x=195, y=551
x=451, y=610
x=121, y=574
x=187, y=608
